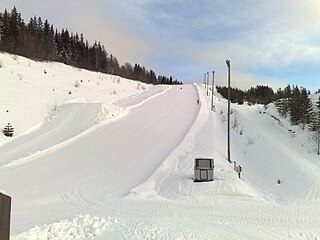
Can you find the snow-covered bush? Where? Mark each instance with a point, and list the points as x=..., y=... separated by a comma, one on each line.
x=77, y=84
x=315, y=138
x=250, y=141
x=20, y=76
x=53, y=110
x=235, y=121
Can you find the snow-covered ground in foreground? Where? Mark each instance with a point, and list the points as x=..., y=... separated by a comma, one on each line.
x=114, y=160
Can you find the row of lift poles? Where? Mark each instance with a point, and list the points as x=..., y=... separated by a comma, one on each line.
x=206, y=83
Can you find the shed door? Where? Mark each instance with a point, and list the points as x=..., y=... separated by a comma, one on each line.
x=203, y=174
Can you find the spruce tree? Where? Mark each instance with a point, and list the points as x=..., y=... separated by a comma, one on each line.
x=315, y=126
x=8, y=130
x=305, y=108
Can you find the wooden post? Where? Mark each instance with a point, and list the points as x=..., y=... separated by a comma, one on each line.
x=5, y=210
x=240, y=169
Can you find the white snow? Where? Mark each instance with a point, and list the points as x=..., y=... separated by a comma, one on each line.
x=114, y=160
x=80, y=227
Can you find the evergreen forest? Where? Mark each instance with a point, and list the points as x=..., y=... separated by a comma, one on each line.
x=40, y=41
x=292, y=102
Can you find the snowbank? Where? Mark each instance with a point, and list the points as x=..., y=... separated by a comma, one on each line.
x=81, y=227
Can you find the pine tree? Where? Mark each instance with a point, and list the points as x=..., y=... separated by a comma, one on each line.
x=315, y=126
x=305, y=107
x=5, y=30
x=294, y=106
x=282, y=106
x=8, y=130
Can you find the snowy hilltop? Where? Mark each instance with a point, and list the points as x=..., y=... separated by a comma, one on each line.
x=97, y=156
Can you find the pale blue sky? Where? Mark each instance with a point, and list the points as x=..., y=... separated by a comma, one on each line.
x=268, y=42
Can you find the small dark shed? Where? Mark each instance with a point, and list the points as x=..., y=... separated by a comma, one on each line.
x=5, y=211
x=203, y=169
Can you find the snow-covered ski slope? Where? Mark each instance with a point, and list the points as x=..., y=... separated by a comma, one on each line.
x=114, y=160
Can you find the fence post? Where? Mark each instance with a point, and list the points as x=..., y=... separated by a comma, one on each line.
x=5, y=210
x=240, y=169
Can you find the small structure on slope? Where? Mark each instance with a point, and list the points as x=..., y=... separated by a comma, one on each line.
x=5, y=212
x=203, y=169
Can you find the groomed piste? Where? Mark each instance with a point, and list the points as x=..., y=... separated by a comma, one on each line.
x=114, y=159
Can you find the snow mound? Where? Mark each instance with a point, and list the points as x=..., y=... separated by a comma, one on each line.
x=80, y=227
x=174, y=177
x=108, y=111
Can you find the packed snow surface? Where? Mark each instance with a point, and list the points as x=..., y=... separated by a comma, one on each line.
x=96, y=156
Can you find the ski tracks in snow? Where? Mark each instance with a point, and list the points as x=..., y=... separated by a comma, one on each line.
x=71, y=121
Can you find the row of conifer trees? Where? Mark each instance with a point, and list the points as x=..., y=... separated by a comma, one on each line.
x=40, y=41
x=292, y=102
x=297, y=104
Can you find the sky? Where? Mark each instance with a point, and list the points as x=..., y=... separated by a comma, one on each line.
x=270, y=42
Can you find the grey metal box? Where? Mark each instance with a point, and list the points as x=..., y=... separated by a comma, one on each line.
x=203, y=169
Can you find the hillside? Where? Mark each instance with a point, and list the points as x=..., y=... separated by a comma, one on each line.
x=114, y=160
x=34, y=91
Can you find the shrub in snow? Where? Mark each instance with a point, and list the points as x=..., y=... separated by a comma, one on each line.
x=241, y=130
x=8, y=130
x=69, y=92
x=1, y=64
x=53, y=110
x=315, y=137
x=20, y=76
x=235, y=122
x=76, y=84
x=250, y=141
